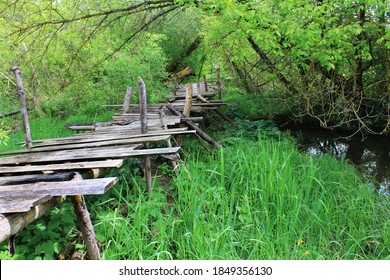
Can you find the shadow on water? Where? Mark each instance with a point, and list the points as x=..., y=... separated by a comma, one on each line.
x=371, y=155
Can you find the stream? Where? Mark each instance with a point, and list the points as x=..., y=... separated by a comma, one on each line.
x=370, y=155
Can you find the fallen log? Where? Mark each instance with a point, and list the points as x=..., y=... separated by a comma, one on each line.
x=11, y=224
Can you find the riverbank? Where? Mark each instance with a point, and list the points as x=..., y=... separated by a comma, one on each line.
x=256, y=198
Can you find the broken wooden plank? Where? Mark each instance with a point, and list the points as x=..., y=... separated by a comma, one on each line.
x=84, y=187
x=12, y=204
x=84, y=154
x=33, y=178
x=90, y=145
x=115, y=163
x=11, y=224
x=110, y=136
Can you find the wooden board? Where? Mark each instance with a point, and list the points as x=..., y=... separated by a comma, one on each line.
x=114, y=135
x=82, y=187
x=85, y=154
x=91, y=144
x=64, y=166
x=23, y=179
x=11, y=204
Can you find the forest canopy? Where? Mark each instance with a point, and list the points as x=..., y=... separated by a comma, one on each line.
x=325, y=60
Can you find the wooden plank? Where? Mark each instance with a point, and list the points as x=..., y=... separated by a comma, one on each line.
x=91, y=144
x=83, y=187
x=12, y=204
x=116, y=163
x=33, y=178
x=11, y=224
x=84, y=154
x=112, y=136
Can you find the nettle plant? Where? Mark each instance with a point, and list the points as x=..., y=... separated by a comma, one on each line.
x=48, y=238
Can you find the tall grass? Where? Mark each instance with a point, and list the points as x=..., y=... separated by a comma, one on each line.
x=252, y=200
x=257, y=198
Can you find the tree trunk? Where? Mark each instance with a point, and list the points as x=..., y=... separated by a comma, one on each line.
x=272, y=66
x=172, y=67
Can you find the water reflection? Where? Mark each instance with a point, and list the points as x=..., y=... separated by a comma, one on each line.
x=371, y=155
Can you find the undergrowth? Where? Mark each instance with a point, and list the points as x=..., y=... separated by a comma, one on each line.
x=256, y=198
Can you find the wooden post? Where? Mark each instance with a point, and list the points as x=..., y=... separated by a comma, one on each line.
x=144, y=129
x=175, y=86
x=85, y=224
x=188, y=103
x=23, y=106
x=169, y=143
x=127, y=102
x=206, y=89
x=219, y=84
x=186, y=110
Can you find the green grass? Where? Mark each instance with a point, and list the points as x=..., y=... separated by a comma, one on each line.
x=47, y=127
x=257, y=198
x=252, y=200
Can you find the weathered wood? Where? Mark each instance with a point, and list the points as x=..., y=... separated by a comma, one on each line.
x=188, y=103
x=219, y=112
x=11, y=224
x=89, y=186
x=206, y=89
x=144, y=129
x=127, y=101
x=212, y=121
x=89, y=145
x=200, y=132
x=11, y=204
x=113, y=135
x=84, y=154
x=169, y=143
x=81, y=127
x=64, y=166
x=219, y=83
x=9, y=114
x=23, y=105
x=85, y=224
x=143, y=106
x=33, y=178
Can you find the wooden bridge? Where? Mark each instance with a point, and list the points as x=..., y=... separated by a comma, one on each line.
x=35, y=180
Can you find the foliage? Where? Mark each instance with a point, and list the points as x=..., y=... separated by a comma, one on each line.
x=3, y=134
x=47, y=237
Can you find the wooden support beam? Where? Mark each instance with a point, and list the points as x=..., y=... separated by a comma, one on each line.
x=11, y=224
x=85, y=224
x=23, y=105
x=144, y=129
x=169, y=143
x=219, y=84
x=219, y=112
x=200, y=132
x=206, y=89
x=127, y=101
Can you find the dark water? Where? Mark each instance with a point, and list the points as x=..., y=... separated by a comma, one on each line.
x=371, y=155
